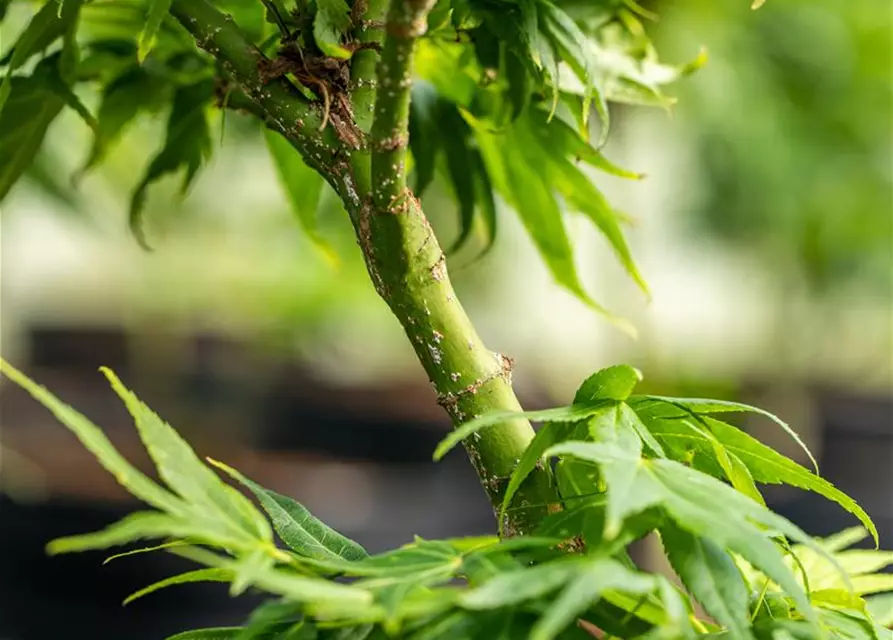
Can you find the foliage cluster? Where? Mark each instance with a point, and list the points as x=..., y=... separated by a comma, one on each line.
x=625, y=465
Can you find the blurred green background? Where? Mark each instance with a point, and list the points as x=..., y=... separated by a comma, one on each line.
x=765, y=229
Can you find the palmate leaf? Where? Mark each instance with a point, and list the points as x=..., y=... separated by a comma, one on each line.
x=184, y=472
x=712, y=576
x=514, y=169
x=699, y=504
x=757, y=461
x=587, y=587
x=157, y=10
x=52, y=22
x=579, y=193
x=24, y=121
x=699, y=406
x=186, y=146
x=298, y=528
x=98, y=444
x=150, y=525
x=131, y=92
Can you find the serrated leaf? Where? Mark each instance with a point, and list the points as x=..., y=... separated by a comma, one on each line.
x=611, y=383
x=215, y=633
x=701, y=505
x=576, y=51
x=144, y=525
x=456, y=141
x=520, y=84
x=98, y=444
x=424, y=137
x=28, y=113
x=767, y=465
x=614, y=428
x=156, y=11
x=186, y=146
x=331, y=23
x=298, y=528
x=762, y=463
x=711, y=576
x=122, y=100
x=587, y=588
x=199, y=575
x=52, y=22
x=516, y=173
x=562, y=136
x=518, y=586
x=303, y=186
x=185, y=473
x=702, y=407
x=580, y=194
x=572, y=413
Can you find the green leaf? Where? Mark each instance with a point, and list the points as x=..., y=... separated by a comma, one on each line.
x=331, y=23
x=52, y=22
x=24, y=121
x=217, y=633
x=578, y=192
x=271, y=618
x=711, y=576
x=186, y=146
x=612, y=383
x=586, y=588
x=516, y=171
x=134, y=552
x=298, y=528
x=742, y=457
x=456, y=140
x=147, y=525
x=96, y=442
x=700, y=504
x=880, y=608
x=303, y=186
x=561, y=136
x=573, y=413
x=122, y=100
x=614, y=428
x=199, y=575
x=702, y=407
x=518, y=586
x=246, y=570
x=520, y=84
x=156, y=12
x=424, y=137
x=767, y=465
x=576, y=51
x=185, y=473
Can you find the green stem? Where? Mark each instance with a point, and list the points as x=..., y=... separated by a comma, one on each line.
x=406, y=23
x=299, y=120
x=405, y=262
x=408, y=269
x=369, y=31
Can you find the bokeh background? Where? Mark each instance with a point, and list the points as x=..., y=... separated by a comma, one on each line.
x=765, y=229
